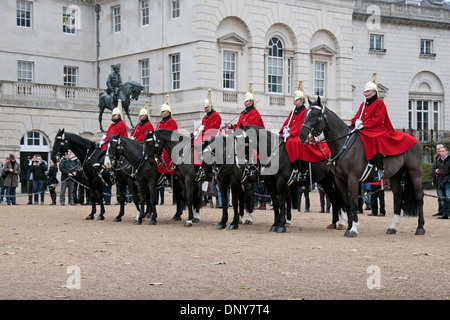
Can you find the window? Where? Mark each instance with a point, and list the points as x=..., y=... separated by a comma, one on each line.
x=424, y=116
x=376, y=43
x=24, y=75
x=426, y=47
x=175, y=8
x=69, y=21
x=145, y=13
x=319, y=78
x=70, y=80
x=175, y=69
x=25, y=71
x=144, y=66
x=23, y=11
x=229, y=70
x=275, y=66
x=116, y=19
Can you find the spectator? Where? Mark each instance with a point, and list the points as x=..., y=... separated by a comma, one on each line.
x=305, y=191
x=3, y=176
x=11, y=181
x=442, y=181
x=262, y=195
x=68, y=168
x=52, y=181
x=434, y=176
x=377, y=194
x=323, y=199
x=29, y=164
x=1, y=180
x=38, y=169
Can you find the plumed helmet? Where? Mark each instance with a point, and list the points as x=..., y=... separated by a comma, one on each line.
x=370, y=86
x=298, y=94
x=208, y=103
x=166, y=106
x=118, y=110
x=249, y=96
x=143, y=112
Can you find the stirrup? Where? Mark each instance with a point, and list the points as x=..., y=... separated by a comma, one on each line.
x=380, y=175
x=200, y=174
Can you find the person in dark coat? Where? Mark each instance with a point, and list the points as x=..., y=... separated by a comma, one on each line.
x=52, y=181
x=442, y=181
x=39, y=169
x=11, y=180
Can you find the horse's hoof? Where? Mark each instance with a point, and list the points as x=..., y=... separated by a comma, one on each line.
x=152, y=223
x=341, y=227
x=195, y=220
x=117, y=220
x=176, y=218
x=100, y=218
x=137, y=222
x=281, y=229
x=90, y=217
x=248, y=222
x=221, y=226
x=331, y=226
x=420, y=232
x=234, y=226
x=188, y=224
x=391, y=231
x=351, y=234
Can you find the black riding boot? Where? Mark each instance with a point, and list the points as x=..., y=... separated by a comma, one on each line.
x=380, y=167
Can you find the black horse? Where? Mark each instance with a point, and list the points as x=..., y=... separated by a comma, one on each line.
x=181, y=151
x=219, y=151
x=127, y=92
x=276, y=170
x=94, y=158
x=90, y=157
x=142, y=158
x=404, y=171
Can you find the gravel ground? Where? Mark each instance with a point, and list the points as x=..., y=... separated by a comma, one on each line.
x=52, y=253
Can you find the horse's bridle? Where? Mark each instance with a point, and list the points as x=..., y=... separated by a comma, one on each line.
x=313, y=132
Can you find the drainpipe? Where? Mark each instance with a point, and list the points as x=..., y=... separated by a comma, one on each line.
x=97, y=11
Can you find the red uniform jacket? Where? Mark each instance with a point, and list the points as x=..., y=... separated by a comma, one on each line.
x=250, y=117
x=115, y=128
x=211, y=121
x=169, y=124
x=294, y=148
x=378, y=134
x=139, y=131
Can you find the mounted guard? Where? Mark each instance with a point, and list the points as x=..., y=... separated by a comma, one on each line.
x=378, y=136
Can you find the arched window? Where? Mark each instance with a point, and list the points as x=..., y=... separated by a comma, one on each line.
x=275, y=66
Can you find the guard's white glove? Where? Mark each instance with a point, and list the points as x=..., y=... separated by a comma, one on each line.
x=201, y=128
x=224, y=126
x=132, y=138
x=286, y=134
x=286, y=129
x=195, y=134
x=359, y=124
x=102, y=141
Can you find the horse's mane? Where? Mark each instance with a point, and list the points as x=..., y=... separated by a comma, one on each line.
x=83, y=142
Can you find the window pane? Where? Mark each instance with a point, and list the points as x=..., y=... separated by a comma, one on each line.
x=116, y=19
x=69, y=21
x=275, y=66
x=145, y=13
x=229, y=70
x=23, y=13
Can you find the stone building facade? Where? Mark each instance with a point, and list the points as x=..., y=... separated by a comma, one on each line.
x=56, y=56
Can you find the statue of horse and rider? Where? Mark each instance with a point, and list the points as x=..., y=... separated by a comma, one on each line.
x=116, y=90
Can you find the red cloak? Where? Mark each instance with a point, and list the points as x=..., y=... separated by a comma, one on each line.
x=169, y=124
x=114, y=129
x=140, y=130
x=294, y=148
x=378, y=134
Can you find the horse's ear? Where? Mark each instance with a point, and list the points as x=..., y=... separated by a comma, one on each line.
x=309, y=101
x=318, y=101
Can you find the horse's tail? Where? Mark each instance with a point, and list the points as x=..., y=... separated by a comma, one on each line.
x=409, y=200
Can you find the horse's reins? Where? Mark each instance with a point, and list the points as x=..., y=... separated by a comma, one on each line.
x=316, y=123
